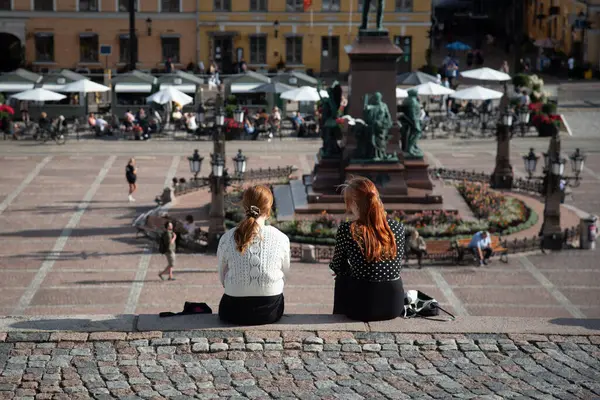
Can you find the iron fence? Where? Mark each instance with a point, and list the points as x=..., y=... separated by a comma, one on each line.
x=183, y=186
x=518, y=184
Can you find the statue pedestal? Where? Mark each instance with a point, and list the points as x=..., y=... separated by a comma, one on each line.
x=372, y=69
x=328, y=174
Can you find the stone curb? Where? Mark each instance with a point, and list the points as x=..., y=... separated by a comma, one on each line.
x=132, y=327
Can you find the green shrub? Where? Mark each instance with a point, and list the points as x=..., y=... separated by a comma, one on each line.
x=521, y=80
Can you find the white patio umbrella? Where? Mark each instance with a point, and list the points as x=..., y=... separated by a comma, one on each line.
x=303, y=93
x=168, y=95
x=401, y=93
x=84, y=86
x=432, y=89
x=477, y=93
x=486, y=74
x=38, y=94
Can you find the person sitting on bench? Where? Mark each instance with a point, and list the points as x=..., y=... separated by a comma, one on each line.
x=481, y=246
x=417, y=246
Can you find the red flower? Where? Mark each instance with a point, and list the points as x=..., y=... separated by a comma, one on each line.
x=535, y=107
x=6, y=109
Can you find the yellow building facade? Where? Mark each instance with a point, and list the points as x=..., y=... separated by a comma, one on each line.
x=592, y=36
x=94, y=34
x=556, y=20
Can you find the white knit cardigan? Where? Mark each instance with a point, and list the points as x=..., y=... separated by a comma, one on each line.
x=260, y=270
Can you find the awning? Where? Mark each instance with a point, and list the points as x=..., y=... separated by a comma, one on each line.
x=181, y=88
x=15, y=87
x=244, y=87
x=52, y=86
x=133, y=88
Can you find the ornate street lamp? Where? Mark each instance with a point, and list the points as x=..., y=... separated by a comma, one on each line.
x=195, y=164
x=502, y=178
x=577, y=162
x=238, y=115
x=220, y=118
x=507, y=119
x=558, y=165
x=218, y=165
x=240, y=162
x=530, y=161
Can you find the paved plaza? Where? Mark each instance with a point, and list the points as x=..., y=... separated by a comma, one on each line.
x=68, y=246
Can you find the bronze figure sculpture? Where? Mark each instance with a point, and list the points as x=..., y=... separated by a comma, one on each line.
x=331, y=131
x=372, y=137
x=365, y=14
x=411, y=126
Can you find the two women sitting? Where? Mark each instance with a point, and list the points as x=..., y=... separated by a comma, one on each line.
x=254, y=258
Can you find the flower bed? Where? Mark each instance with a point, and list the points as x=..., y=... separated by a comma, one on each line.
x=498, y=214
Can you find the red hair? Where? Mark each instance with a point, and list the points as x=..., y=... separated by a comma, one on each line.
x=257, y=202
x=371, y=230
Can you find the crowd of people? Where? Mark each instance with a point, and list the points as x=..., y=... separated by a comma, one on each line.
x=253, y=259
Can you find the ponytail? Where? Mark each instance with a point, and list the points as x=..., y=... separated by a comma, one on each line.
x=245, y=232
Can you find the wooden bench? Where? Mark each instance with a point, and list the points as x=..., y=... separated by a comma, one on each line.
x=437, y=250
x=462, y=249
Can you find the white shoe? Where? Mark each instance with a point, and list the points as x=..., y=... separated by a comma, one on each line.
x=132, y=199
x=270, y=136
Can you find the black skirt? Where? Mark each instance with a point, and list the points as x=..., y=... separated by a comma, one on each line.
x=368, y=301
x=251, y=310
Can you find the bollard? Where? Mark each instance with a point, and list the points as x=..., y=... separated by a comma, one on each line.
x=587, y=233
x=308, y=254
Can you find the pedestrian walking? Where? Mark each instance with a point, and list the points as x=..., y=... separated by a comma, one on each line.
x=167, y=247
x=131, y=176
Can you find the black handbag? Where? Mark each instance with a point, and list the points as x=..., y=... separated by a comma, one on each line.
x=422, y=305
x=189, y=308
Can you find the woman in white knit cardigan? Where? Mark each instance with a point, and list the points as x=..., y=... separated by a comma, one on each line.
x=253, y=259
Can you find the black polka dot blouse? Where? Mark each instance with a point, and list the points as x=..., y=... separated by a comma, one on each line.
x=348, y=259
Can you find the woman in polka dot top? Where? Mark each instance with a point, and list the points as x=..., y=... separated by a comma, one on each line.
x=368, y=258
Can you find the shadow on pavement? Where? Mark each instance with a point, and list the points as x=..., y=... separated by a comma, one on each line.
x=152, y=322
x=588, y=323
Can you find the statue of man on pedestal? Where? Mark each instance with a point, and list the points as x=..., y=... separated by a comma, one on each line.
x=365, y=14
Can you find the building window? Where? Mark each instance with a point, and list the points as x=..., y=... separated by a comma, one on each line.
x=258, y=5
x=88, y=5
x=43, y=5
x=170, y=6
x=88, y=48
x=5, y=5
x=331, y=5
x=44, y=47
x=124, y=5
x=540, y=16
x=258, y=50
x=372, y=7
x=222, y=5
x=404, y=62
x=293, y=50
x=170, y=49
x=294, y=5
x=404, y=5
x=124, y=49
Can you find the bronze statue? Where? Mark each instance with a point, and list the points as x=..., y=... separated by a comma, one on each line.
x=365, y=14
x=411, y=126
x=331, y=131
x=372, y=136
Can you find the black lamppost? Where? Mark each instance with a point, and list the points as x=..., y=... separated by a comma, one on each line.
x=132, y=36
x=195, y=164
x=502, y=177
x=554, y=185
x=238, y=117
